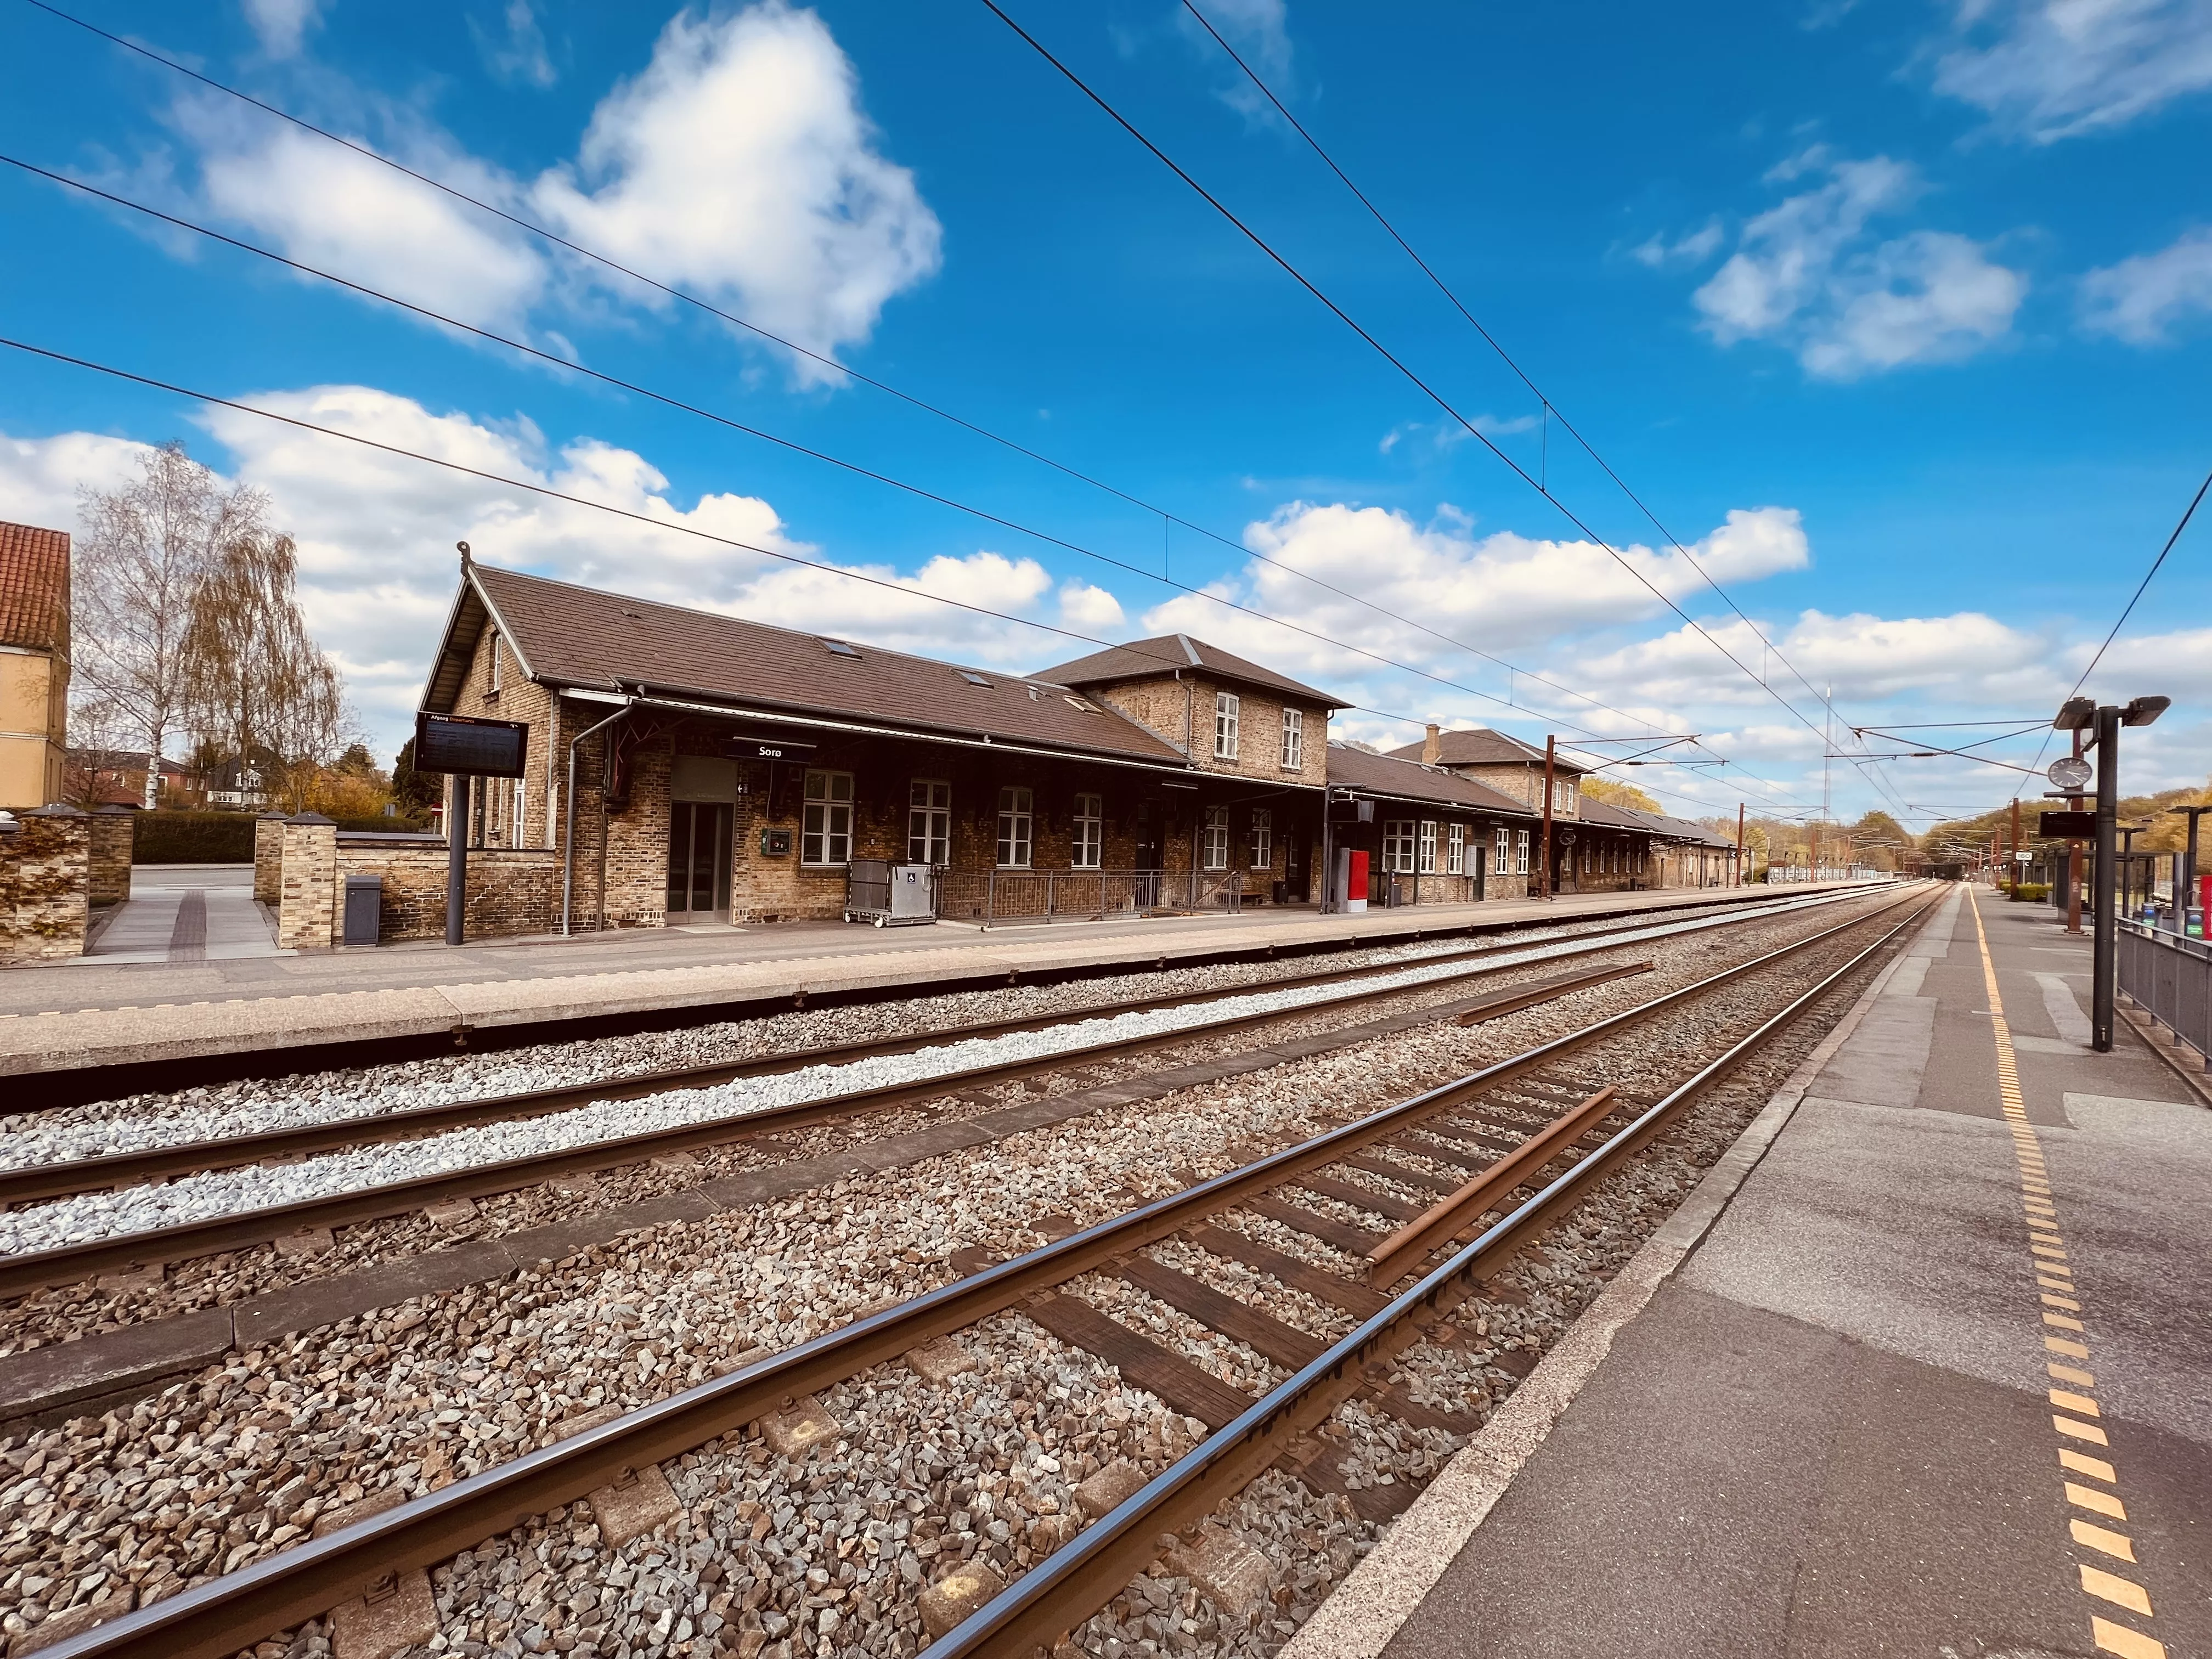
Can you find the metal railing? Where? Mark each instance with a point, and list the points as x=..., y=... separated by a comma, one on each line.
x=2170, y=979
x=1000, y=897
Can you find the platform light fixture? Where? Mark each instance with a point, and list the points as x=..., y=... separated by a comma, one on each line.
x=2074, y=714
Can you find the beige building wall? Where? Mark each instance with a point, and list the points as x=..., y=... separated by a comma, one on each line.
x=34, y=727
x=1183, y=713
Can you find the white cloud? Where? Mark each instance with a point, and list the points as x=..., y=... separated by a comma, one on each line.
x=518, y=55
x=376, y=534
x=1806, y=274
x=739, y=165
x=1501, y=592
x=282, y=24
x=2047, y=70
x=1693, y=249
x=1442, y=436
x=1259, y=30
x=2140, y=299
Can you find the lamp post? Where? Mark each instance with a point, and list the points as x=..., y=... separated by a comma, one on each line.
x=2105, y=721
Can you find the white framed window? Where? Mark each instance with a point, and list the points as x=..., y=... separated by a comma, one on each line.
x=1224, y=725
x=1428, y=864
x=1263, y=838
x=1562, y=796
x=1016, y=827
x=1456, y=850
x=1520, y=853
x=1398, y=846
x=494, y=678
x=1294, y=739
x=1217, y=837
x=1087, y=846
x=826, y=831
x=929, y=821
x=1501, y=852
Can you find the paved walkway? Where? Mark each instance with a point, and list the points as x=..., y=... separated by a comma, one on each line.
x=1933, y=1383
x=185, y=912
x=92, y=1013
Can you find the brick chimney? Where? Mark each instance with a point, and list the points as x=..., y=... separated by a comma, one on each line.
x=1432, y=747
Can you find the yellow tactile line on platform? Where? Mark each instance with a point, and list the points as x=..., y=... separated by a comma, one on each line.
x=2067, y=1340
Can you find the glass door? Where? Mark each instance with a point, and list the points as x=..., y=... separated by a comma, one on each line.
x=698, y=862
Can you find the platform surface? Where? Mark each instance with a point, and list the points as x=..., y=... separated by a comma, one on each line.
x=94, y=1011
x=1831, y=1430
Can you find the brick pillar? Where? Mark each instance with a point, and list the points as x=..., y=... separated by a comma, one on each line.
x=109, y=874
x=269, y=858
x=44, y=875
x=308, y=916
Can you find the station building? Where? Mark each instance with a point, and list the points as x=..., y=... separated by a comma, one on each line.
x=687, y=768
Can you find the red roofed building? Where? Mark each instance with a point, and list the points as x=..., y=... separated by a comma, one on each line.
x=35, y=663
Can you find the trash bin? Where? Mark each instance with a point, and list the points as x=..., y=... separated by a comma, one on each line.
x=364, y=909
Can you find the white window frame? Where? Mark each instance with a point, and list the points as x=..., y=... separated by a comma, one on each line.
x=1087, y=845
x=1427, y=864
x=493, y=684
x=1226, y=708
x=1398, y=846
x=1263, y=838
x=1215, y=838
x=1520, y=852
x=1456, y=850
x=825, y=838
x=929, y=821
x=1017, y=826
x=1501, y=852
x=1294, y=740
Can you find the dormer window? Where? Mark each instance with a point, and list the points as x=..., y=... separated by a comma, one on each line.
x=841, y=648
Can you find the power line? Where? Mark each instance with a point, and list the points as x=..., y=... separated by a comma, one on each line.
x=548, y=491
x=2128, y=610
x=679, y=404
x=1390, y=357
x=1552, y=410
x=682, y=296
x=1878, y=778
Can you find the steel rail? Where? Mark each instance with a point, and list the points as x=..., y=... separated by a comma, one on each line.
x=70, y=1264
x=185, y=1241
x=1074, y=1581
x=63, y=1177
x=219, y=1619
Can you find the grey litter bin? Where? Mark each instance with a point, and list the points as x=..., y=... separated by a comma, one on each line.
x=364, y=909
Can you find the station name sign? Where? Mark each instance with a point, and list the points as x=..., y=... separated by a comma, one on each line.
x=456, y=744
x=766, y=745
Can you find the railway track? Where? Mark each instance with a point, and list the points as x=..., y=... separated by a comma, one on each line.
x=1157, y=1022
x=1428, y=1168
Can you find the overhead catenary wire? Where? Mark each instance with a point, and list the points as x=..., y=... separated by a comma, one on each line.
x=570, y=365
x=1393, y=359
x=1551, y=411
x=679, y=295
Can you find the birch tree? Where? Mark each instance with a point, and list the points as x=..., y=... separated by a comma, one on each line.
x=141, y=553
x=254, y=684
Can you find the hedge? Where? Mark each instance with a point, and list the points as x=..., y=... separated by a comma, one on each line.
x=2030, y=892
x=166, y=837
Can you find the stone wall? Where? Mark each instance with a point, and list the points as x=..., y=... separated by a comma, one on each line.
x=306, y=889
x=511, y=891
x=1170, y=707
x=269, y=858
x=108, y=871
x=44, y=877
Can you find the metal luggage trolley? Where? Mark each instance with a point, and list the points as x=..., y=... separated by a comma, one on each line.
x=890, y=895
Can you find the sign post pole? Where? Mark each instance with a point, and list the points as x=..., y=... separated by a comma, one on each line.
x=456, y=860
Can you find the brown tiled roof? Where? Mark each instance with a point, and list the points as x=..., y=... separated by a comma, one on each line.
x=1480, y=746
x=1144, y=660
x=35, y=586
x=1371, y=773
x=566, y=635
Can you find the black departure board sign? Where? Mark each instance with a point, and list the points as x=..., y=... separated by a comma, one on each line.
x=471, y=748
x=2068, y=826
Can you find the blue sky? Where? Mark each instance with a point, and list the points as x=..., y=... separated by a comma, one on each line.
x=1898, y=315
